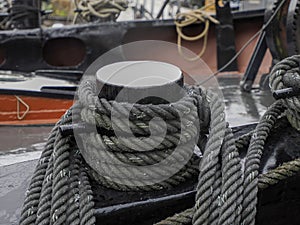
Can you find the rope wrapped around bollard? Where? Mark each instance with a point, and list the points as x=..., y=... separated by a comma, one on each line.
x=60, y=190
x=56, y=194
x=124, y=148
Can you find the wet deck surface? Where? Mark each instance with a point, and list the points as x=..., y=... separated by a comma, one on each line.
x=20, y=144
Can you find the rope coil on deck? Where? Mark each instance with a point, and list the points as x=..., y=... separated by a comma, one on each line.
x=103, y=9
x=121, y=159
x=60, y=190
x=287, y=74
x=233, y=196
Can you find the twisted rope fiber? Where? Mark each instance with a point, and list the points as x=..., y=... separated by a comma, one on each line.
x=233, y=192
x=226, y=193
x=288, y=169
x=187, y=18
x=59, y=192
x=145, y=147
x=286, y=74
x=238, y=192
x=99, y=8
x=183, y=218
x=16, y=11
x=252, y=163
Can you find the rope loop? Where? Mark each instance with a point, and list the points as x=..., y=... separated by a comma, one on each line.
x=103, y=9
x=128, y=150
x=286, y=74
x=137, y=144
x=188, y=18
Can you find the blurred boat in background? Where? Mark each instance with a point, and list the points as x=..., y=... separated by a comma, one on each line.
x=28, y=99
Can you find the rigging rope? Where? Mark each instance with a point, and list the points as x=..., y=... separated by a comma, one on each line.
x=233, y=196
x=193, y=17
x=102, y=9
x=284, y=75
x=178, y=143
x=60, y=190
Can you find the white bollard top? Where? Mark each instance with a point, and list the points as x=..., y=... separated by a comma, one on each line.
x=139, y=74
x=124, y=81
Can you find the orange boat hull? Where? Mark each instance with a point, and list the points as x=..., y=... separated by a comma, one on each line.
x=30, y=110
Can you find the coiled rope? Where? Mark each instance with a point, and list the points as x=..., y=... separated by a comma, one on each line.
x=60, y=190
x=15, y=13
x=193, y=17
x=181, y=136
x=102, y=9
x=4, y=9
x=229, y=195
x=284, y=75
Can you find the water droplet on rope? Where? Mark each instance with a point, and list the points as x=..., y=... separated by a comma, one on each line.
x=187, y=111
x=189, y=123
x=30, y=211
x=268, y=117
x=190, y=92
x=92, y=107
x=54, y=216
x=141, y=116
x=135, y=159
x=63, y=173
x=76, y=198
x=254, y=135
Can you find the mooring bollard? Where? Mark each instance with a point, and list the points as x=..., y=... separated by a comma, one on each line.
x=143, y=82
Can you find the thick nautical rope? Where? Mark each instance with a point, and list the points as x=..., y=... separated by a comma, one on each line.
x=59, y=192
x=227, y=194
x=117, y=154
x=281, y=173
x=227, y=186
x=187, y=18
x=286, y=74
x=236, y=189
x=103, y=9
x=4, y=6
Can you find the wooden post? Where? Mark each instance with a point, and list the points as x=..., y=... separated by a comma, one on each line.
x=143, y=82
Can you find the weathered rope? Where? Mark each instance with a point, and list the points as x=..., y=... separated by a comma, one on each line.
x=187, y=18
x=287, y=74
x=4, y=9
x=227, y=187
x=288, y=169
x=252, y=162
x=278, y=174
x=122, y=161
x=59, y=192
x=103, y=9
x=233, y=195
x=183, y=218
